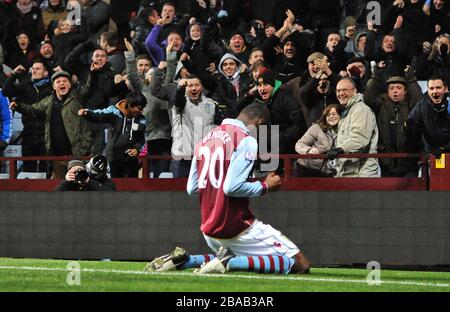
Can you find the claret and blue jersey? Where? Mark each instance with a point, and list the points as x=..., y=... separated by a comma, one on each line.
x=222, y=163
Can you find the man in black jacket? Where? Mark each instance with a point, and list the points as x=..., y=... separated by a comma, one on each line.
x=100, y=86
x=392, y=107
x=229, y=83
x=295, y=46
x=334, y=50
x=284, y=112
x=386, y=53
x=431, y=118
x=29, y=90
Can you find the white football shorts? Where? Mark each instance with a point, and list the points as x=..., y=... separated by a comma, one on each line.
x=258, y=240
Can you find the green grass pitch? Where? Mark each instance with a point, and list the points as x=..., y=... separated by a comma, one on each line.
x=52, y=275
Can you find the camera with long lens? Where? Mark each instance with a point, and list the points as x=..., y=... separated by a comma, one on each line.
x=97, y=167
x=81, y=175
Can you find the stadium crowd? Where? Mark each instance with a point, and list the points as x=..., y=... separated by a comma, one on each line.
x=156, y=76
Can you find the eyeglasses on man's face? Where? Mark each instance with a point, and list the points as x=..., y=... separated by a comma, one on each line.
x=344, y=90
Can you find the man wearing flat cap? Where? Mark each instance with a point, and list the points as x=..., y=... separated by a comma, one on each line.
x=392, y=101
x=65, y=132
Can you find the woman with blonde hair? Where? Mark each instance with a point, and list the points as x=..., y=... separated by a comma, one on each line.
x=319, y=138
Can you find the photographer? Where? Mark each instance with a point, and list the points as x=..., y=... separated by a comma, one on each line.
x=89, y=177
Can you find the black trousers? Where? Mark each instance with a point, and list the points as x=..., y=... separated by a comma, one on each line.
x=159, y=147
x=98, y=137
x=33, y=145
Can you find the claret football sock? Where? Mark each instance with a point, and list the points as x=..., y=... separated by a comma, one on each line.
x=195, y=261
x=261, y=264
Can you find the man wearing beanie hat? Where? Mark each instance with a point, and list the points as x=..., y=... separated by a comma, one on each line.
x=266, y=77
x=284, y=111
x=75, y=163
x=392, y=107
x=44, y=53
x=237, y=46
x=46, y=49
x=65, y=132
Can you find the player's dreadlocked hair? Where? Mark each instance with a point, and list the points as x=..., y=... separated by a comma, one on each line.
x=257, y=110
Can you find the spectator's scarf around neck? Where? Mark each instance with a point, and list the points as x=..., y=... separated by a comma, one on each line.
x=24, y=9
x=41, y=82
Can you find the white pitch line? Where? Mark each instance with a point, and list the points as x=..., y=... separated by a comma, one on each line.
x=230, y=276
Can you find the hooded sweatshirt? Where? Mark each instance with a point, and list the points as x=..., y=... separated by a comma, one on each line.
x=235, y=79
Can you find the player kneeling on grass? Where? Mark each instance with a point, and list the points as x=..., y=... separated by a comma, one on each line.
x=224, y=159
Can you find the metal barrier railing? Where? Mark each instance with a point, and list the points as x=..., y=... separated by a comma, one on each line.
x=287, y=158
x=288, y=166
x=438, y=180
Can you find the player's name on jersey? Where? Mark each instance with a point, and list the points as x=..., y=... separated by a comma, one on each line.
x=218, y=134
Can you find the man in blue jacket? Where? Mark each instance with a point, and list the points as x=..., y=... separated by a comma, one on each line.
x=5, y=123
x=126, y=137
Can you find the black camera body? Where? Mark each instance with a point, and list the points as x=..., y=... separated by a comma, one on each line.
x=81, y=175
x=96, y=169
